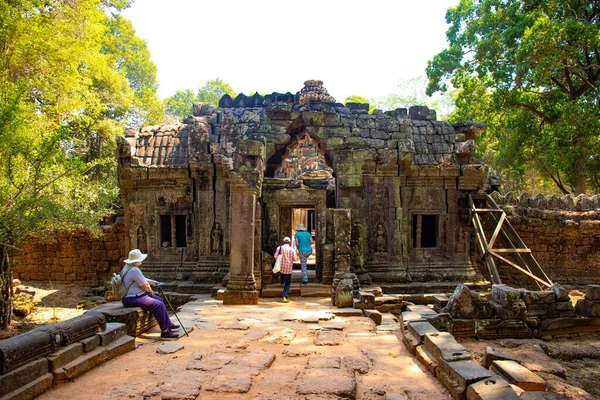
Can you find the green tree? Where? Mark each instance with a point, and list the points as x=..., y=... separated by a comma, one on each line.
x=412, y=92
x=361, y=100
x=530, y=70
x=66, y=89
x=179, y=106
x=213, y=90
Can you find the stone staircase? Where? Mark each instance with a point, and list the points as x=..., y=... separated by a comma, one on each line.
x=31, y=363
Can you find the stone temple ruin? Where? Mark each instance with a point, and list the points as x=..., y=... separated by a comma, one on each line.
x=394, y=201
x=383, y=194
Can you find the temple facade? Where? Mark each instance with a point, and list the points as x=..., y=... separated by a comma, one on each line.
x=383, y=194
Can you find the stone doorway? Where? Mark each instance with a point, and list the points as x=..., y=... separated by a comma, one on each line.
x=284, y=209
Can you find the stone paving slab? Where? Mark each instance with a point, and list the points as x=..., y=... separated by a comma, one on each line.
x=335, y=357
x=337, y=383
x=181, y=387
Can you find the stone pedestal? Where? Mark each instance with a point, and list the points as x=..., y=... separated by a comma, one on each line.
x=241, y=288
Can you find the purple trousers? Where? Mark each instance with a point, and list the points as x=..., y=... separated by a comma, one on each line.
x=152, y=303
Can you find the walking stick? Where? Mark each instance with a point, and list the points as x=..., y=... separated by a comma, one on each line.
x=168, y=302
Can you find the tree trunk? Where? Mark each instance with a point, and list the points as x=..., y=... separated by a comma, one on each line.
x=6, y=290
x=580, y=175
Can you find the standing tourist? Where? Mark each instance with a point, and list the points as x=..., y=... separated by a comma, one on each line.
x=303, y=244
x=140, y=294
x=288, y=256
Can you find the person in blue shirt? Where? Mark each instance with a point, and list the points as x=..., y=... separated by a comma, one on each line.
x=303, y=241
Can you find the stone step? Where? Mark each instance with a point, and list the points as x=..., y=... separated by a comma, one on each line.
x=81, y=365
x=297, y=289
x=22, y=376
x=113, y=332
x=32, y=389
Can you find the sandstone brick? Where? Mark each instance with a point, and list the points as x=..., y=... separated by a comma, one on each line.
x=518, y=375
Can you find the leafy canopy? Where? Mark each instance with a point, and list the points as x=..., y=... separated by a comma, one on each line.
x=179, y=106
x=72, y=76
x=530, y=70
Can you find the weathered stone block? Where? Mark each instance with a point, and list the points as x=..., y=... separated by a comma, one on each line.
x=64, y=356
x=90, y=343
x=113, y=332
x=498, y=328
x=587, y=308
x=366, y=300
x=493, y=388
x=456, y=376
x=426, y=359
x=25, y=348
x=22, y=376
x=343, y=296
x=560, y=293
x=442, y=322
x=538, y=297
x=420, y=329
x=537, y=310
x=408, y=316
x=460, y=304
x=443, y=346
x=439, y=302
x=374, y=315
x=120, y=346
x=492, y=354
x=78, y=328
x=561, y=309
x=505, y=295
x=81, y=365
x=563, y=326
x=32, y=389
x=515, y=310
x=592, y=292
x=518, y=375
x=463, y=327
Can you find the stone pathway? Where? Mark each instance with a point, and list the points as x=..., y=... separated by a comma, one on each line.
x=305, y=349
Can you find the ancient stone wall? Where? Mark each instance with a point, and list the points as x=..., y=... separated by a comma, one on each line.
x=562, y=232
x=74, y=257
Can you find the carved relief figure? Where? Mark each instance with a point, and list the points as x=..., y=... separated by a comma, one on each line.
x=142, y=243
x=380, y=239
x=464, y=240
x=217, y=239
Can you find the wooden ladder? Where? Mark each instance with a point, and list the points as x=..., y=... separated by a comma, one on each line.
x=521, y=257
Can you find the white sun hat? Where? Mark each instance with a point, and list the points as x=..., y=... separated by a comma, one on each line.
x=135, y=255
x=286, y=239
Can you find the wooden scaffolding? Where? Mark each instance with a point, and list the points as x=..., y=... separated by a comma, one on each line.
x=513, y=251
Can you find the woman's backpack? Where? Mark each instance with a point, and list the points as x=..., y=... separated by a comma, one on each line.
x=118, y=285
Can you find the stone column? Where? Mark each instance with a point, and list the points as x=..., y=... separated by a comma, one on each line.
x=342, y=224
x=241, y=288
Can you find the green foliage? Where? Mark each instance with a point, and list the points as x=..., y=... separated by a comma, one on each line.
x=179, y=106
x=412, y=92
x=530, y=70
x=359, y=99
x=72, y=75
x=213, y=90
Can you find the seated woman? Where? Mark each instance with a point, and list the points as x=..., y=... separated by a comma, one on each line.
x=140, y=294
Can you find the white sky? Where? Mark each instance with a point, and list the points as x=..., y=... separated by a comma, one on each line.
x=355, y=47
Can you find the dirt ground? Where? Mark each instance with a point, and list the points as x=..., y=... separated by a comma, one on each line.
x=53, y=303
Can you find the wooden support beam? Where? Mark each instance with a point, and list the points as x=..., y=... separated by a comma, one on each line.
x=529, y=274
